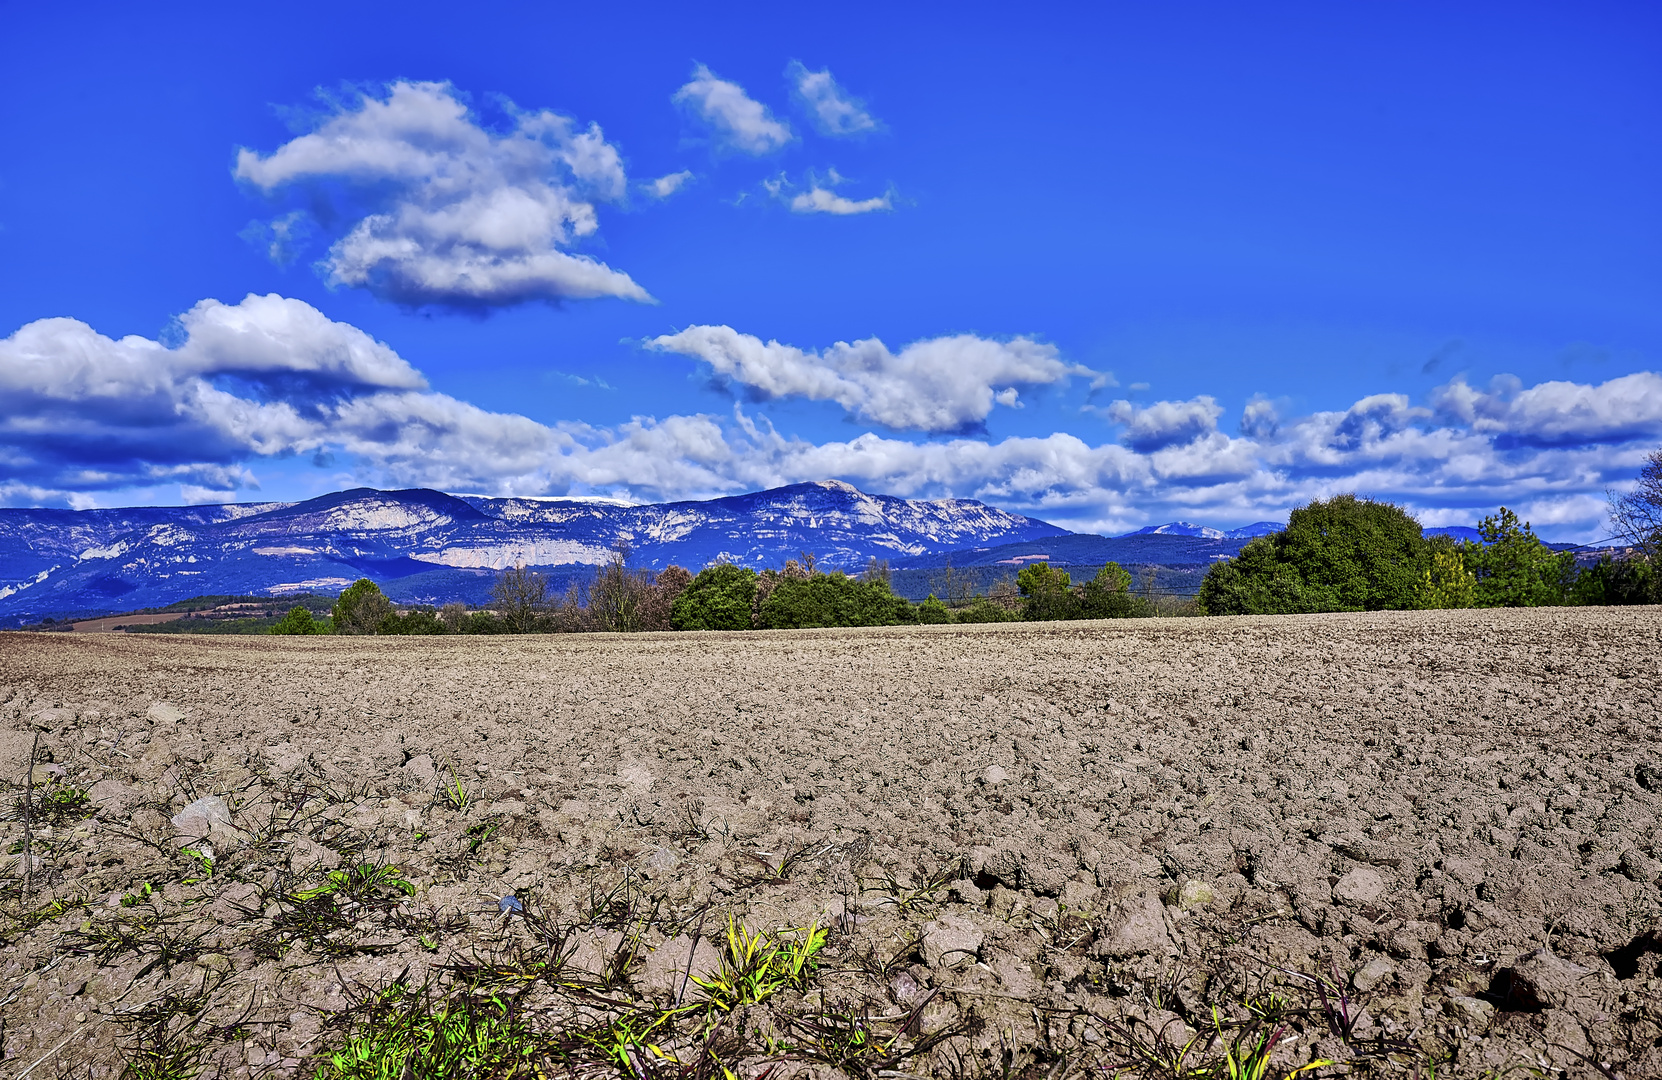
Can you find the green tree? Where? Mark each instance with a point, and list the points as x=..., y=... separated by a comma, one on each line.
x=932, y=611
x=1446, y=582
x=1108, y=596
x=1341, y=554
x=1355, y=554
x=1047, y=593
x=360, y=609
x=1255, y=582
x=1513, y=567
x=719, y=598
x=1613, y=581
x=299, y=621
x=833, y=600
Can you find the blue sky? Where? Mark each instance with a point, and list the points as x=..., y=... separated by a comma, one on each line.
x=1109, y=265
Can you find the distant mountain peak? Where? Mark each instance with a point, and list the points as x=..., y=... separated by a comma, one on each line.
x=1179, y=528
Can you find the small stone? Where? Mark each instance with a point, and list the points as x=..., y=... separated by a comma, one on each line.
x=421, y=771
x=109, y=792
x=995, y=776
x=163, y=712
x=1360, y=886
x=45, y=774
x=661, y=860
x=1469, y=1010
x=905, y=989
x=1372, y=973
x=951, y=940
x=218, y=963
x=1193, y=894
x=636, y=776
x=1637, y=866
x=202, y=817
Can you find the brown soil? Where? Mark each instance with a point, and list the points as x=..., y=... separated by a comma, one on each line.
x=116, y=622
x=1074, y=835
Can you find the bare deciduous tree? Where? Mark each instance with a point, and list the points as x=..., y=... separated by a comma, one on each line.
x=520, y=594
x=1637, y=515
x=953, y=586
x=660, y=598
x=618, y=594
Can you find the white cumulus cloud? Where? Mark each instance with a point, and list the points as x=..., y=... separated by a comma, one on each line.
x=833, y=110
x=736, y=119
x=83, y=415
x=448, y=212
x=1166, y=423
x=940, y=384
x=1557, y=412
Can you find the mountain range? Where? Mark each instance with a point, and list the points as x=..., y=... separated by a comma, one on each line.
x=425, y=546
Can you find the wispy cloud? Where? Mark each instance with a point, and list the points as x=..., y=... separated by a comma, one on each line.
x=821, y=196
x=735, y=119
x=665, y=186
x=833, y=110
x=447, y=212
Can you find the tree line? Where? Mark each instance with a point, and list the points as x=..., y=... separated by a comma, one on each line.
x=622, y=599
x=1351, y=554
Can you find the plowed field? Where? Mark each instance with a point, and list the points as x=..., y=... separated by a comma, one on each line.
x=1035, y=849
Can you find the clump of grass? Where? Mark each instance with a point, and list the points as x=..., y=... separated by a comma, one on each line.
x=455, y=794
x=366, y=884
x=755, y=966
x=405, y=1033
x=29, y=920
x=62, y=805
x=914, y=897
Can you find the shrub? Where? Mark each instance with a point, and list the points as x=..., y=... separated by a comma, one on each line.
x=832, y=600
x=719, y=598
x=1611, y=581
x=1513, y=567
x=410, y=623
x=1446, y=582
x=932, y=611
x=983, y=610
x=1255, y=582
x=454, y=615
x=299, y=621
x=360, y=609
